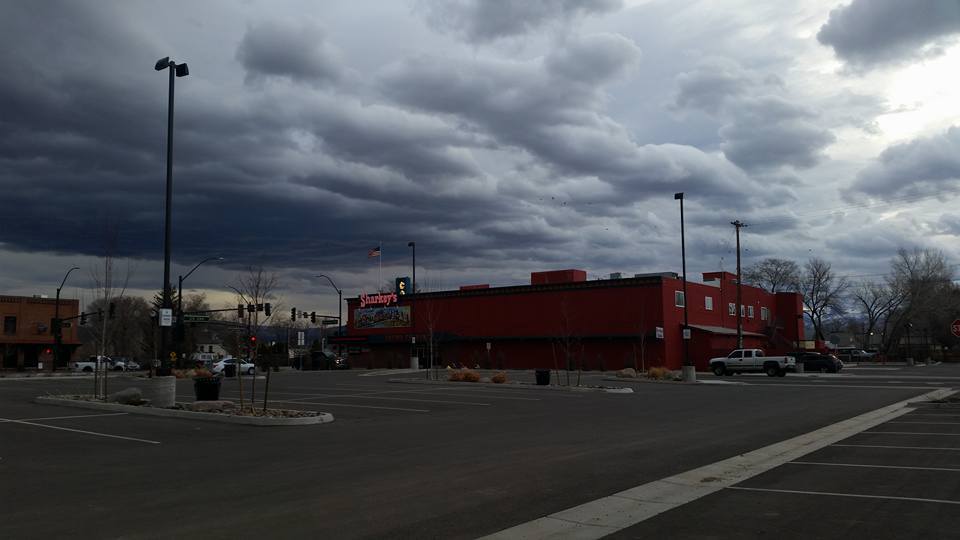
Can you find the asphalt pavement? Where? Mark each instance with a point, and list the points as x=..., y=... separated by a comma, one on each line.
x=457, y=461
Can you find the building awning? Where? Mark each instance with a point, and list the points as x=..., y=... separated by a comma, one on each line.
x=722, y=330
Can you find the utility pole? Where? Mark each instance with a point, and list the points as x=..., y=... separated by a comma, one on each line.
x=738, y=225
x=689, y=370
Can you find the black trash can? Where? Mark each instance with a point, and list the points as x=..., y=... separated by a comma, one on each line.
x=543, y=377
x=230, y=370
x=206, y=388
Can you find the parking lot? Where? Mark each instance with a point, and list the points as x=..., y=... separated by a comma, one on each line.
x=461, y=461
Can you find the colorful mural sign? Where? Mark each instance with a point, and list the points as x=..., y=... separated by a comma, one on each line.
x=383, y=317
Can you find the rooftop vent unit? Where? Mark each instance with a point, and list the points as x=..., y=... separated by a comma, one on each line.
x=616, y=275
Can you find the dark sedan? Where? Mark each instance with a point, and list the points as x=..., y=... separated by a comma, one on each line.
x=817, y=362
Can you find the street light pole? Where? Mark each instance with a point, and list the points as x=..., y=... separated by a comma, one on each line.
x=176, y=70
x=339, y=302
x=689, y=371
x=58, y=328
x=180, y=280
x=738, y=225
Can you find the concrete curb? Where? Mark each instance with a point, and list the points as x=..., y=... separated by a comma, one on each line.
x=515, y=386
x=322, y=418
x=607, y=515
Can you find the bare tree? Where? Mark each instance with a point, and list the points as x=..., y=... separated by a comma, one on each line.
x=773, y=274
x=925, y=280
x=877, y=301
x=255, y=286
x=109, y=285
x=822, y=291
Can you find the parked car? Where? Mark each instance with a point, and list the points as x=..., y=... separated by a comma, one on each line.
x=852, y=354
x=132, y=365
x=326, y=360
x=818, y=362
x=244, y=367
x=90, y=364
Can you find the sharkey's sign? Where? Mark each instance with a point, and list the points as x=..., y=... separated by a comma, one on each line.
x=378, y=299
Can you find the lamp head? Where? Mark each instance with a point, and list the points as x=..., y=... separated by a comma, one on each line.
x=411, y=244
x=678, y=196
x=182, y=70
x=162, y=63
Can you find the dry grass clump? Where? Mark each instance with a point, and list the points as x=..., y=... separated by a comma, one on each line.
x=464, y=375
x=659, y=373
x=499, y=378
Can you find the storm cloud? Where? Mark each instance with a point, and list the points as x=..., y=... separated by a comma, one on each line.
x=488, y=20
x=869, y=32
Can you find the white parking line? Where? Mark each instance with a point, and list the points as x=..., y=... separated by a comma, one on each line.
x=388, y=398
x=2, y=420
x=909, y=433
x=851, y=495
x=891, y=447
x=929, y=423
x=353, y=406
x=866, y=466
x=865, y=386
x=24, y=422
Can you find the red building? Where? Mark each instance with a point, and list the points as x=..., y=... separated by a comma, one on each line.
x=561, y=318
x=27, y=339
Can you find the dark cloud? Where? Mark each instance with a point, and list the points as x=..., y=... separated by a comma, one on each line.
x=765, y=129
x=547, y=110
x=286, y=49
x=869, y=32
x=924, y=166
x=488, y=20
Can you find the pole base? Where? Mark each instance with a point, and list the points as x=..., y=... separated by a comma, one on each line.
x=689, y=374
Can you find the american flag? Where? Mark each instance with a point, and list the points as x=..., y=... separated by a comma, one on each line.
x=375, y=252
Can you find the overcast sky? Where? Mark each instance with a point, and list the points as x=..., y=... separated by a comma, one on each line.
x=503, y=137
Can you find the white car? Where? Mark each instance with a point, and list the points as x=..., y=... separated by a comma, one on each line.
x=245, y=366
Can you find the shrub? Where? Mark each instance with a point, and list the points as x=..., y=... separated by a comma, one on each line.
x=658, y=373
x=471, y=376
x=455, y=375
x=628, y=373
x=202, y=372
x=499, y=378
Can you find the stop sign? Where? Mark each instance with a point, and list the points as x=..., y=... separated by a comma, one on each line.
x=955, y=327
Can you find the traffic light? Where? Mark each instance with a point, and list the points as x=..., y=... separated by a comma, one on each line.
x=266, y=309
x=113, y=310
x=313, y=317
x=403, y=286
x=293, y=314
x=83, y=319
x=239, y=311
x=251, y=308
x=253, y=341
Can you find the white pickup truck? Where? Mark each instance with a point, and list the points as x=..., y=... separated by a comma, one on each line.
x=746, y=360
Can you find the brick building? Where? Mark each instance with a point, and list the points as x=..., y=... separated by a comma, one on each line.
x=561, y=317
x=27, y=336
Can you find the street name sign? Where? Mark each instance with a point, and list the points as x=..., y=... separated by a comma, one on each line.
x=195, y=318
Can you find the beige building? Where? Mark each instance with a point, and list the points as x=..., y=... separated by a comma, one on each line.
x=27, y=339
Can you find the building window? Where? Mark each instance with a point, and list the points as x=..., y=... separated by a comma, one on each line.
x=764, y=314
x=743, y=311
x=210, y=349
x=678, y=299
x=750, y=311
x=10, y=325
x=731, y=309
x=708, y=303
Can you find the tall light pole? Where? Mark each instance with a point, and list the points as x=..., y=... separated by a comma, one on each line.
x=689, y=370
x=339, y=302
x=58, y=328
x=180, y=280
x=738, y=225
x=176, y=70
x=413, y=246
